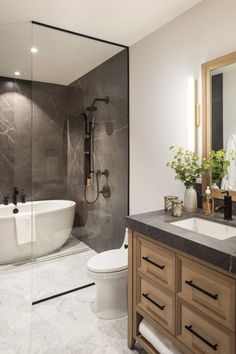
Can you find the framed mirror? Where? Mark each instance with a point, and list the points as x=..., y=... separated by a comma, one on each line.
x=219, y=119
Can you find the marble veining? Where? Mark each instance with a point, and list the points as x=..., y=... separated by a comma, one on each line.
x=61, y=325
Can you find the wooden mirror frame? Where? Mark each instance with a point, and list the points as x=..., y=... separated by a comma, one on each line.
x=207, y=115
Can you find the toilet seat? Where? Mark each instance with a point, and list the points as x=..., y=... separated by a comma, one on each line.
x=109, y=261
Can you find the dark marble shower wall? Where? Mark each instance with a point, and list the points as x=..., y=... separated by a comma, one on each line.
x=33, y=137
x=104, y=221
x=41, y=146
x=15, y=136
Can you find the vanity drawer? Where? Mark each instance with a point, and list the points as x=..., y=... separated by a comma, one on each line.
x=209, y=291
x=157, y=302
x=157, y=263
x=202, y=335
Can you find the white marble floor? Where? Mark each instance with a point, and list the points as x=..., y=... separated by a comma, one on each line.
x=64, y=325
x=59, y=275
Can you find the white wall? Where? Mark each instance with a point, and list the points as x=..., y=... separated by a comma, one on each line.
x=160, y=66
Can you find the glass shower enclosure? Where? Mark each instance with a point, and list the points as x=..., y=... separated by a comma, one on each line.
x=64, y=164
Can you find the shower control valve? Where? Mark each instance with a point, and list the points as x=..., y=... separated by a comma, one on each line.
x=105, y=173
x=106, y=192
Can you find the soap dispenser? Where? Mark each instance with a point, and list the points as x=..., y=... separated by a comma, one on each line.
x=207, y=202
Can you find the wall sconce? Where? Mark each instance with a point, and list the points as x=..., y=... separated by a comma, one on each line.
x=197, y=106
x=193, y=114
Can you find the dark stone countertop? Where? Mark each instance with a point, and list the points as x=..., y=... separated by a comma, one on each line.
x=157, y=226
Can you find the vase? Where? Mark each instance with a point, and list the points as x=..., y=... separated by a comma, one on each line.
x=190, y=199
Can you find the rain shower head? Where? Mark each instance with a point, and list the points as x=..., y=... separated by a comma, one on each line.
x=92, y=108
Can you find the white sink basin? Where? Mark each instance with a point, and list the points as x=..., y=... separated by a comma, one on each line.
x=208, y=228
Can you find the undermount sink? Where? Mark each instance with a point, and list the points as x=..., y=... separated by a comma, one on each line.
x=208, y=228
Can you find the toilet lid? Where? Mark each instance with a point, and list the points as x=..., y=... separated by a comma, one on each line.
x=109, y=261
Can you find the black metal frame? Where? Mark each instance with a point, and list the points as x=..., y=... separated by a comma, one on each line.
x=61, y=294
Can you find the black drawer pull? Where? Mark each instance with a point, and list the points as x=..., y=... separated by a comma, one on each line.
x=190, y=283
x=212, y=346
x=161, y=307
x=155, y=264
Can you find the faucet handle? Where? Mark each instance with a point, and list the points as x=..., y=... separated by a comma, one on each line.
x=16, y=190
x=5, y=200
x=23, y=198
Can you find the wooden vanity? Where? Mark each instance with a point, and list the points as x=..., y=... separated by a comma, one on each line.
x=187, y=299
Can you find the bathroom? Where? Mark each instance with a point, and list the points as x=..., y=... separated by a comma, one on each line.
x=91, y=98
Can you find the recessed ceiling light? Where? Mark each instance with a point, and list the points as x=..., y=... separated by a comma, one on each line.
x=17, y=73
x=34, y=50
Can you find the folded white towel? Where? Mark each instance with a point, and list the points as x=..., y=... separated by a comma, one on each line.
x=25, y=228
x=161, y=343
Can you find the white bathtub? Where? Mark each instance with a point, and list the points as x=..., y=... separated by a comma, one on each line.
x=53, y=220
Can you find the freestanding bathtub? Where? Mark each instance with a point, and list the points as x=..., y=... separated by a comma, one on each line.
x=53, y=221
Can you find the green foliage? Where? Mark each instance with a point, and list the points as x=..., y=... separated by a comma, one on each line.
x=218, y=165
x=187, y=166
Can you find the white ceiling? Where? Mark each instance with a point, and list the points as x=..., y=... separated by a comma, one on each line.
x=121, y=21
x=62, y=58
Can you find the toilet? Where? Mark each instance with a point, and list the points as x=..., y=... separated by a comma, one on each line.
x=109, y=270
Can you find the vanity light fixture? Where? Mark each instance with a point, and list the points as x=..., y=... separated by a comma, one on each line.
x=34, y=50
x=191, y=113
x=17, y=73
x=197, y=115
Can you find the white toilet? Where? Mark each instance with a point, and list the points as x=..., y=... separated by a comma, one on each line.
x=109, y=270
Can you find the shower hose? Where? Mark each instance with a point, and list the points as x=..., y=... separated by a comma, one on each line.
x=98, y=192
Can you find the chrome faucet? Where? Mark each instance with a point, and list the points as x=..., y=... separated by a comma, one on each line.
x=227, y=206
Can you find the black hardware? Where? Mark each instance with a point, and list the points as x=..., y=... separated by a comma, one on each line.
x=5, y=200
x=190, y=283
x=15, y=211
x=155, y=264
x=212, y=346
x=126, y=246
x=87, y=148
x=93, y=108
x=23, y=198
x=227, y=207
x=161, y=307
x=106, y=192
x=105, y=173
x=15, y=195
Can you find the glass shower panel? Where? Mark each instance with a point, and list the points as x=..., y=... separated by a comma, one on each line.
x=80, y=155
x=15, y=187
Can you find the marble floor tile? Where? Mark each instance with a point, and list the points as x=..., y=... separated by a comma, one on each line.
x=63, y=325
x=59, y=275
x=67, y=325
x=15, y=311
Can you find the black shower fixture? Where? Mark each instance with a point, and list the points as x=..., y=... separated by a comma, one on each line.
x=93, y=108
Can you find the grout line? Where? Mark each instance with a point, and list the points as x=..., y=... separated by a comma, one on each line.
x=62, y=294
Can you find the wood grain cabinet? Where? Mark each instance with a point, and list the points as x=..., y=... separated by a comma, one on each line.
x=189, y=301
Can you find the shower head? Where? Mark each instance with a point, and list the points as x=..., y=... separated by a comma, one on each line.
x=92, y=108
